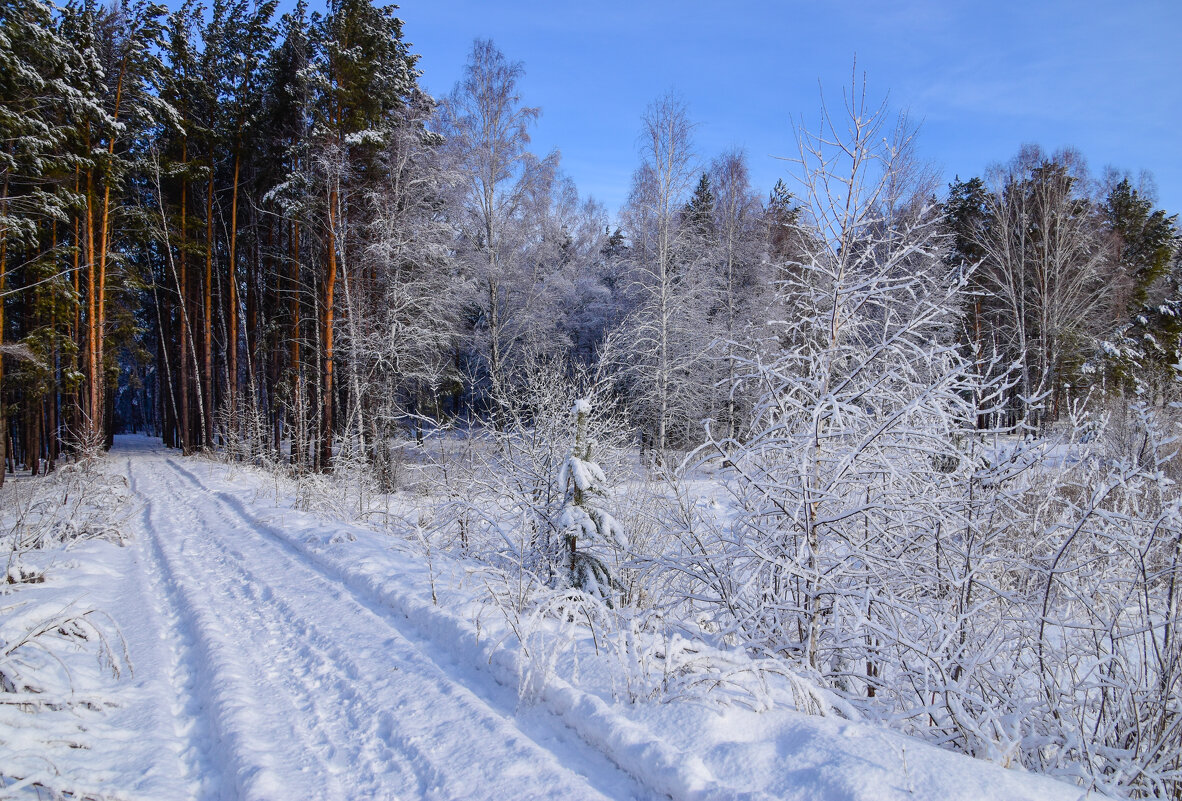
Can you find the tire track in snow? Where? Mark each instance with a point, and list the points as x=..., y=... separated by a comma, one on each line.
x=305, y=664
x=313, y=660
x=247, y=765
x=593, y=762
x=190, y=685
x=416, y=730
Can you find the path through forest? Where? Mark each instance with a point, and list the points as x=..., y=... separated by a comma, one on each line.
x=267, y=653
x=287, y=684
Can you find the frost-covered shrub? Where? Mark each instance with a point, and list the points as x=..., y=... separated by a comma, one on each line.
x=1010, y=597
x=42, y=682
x=75, y=503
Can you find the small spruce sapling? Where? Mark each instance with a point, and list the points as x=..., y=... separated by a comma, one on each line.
x=583, y=514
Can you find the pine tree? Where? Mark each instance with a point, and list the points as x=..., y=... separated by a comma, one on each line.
x=40, y=102
x=121, y=47
x=1146, y=240
x=367, y=74
x=1146, y=347
x=287, y=118
x=252, y=40
x=782, y=219
x=698, y=214
x=966, y=215
x=583, y=513
x=183, y=92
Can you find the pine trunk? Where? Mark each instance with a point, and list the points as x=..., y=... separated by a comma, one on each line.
x=76, y=333
x=207, y=314
x=329, y=287
x=185, y=422
x=3, y=281
x=99, y=419
x=232, y=271
x=92, y=412
x=298, y=442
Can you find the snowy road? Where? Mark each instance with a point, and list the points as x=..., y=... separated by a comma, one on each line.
x=273, y=654
x=286, y=684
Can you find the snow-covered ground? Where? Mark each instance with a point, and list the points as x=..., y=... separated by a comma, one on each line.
x=277, y=655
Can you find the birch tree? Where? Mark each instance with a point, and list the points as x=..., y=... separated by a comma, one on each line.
x=486, y=128
x=744, y=285
x=860, y=395
x=1044, y=257
x=665, y=333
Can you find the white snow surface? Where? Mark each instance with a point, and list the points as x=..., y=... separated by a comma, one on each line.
x=278, y=655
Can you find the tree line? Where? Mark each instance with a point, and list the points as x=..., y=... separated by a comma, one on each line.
x=259, y=234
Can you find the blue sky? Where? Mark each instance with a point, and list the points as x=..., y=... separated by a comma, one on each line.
x=982, y=77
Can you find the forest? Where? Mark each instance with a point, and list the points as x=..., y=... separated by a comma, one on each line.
x=939, y=421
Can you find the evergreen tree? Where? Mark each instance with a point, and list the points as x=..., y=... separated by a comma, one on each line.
x=1146, y=240
x=698, y=214
x=38, y=71
x=288, y=179
x=1144, y=352
x=366, y=75
x=174, y=178
x=583, y=514
x=253, y=39
x=782, y=219
x=966, y=214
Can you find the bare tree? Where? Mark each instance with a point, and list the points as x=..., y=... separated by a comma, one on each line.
x=744, y=285
x=1044, y=258
x=487, y=132
x=666, y=332
x=860, y=393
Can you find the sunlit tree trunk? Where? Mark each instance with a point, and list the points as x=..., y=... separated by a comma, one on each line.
x=207, y=312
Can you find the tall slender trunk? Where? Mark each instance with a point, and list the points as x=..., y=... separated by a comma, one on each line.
x=329, y=287
x=207, y=310
x=495, y=367
x=663, y=355
x=731, y=362
x=51, y=425
x=494, y=310
x=169, y=409
x=188, y=340
x=317, y=434
x=250, y=336
x=76, y=333
x=298, y=442
x=978, y=357
x=273, y=351
x=55, y=383
x=32, y=438
x=185, y=423
x=351, y=315
x=97, y=387
x=92, y=410
x=232, y=271
x=3, y=281
x=98, y=417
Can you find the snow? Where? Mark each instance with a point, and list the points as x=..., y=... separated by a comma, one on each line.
x=278, y=655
